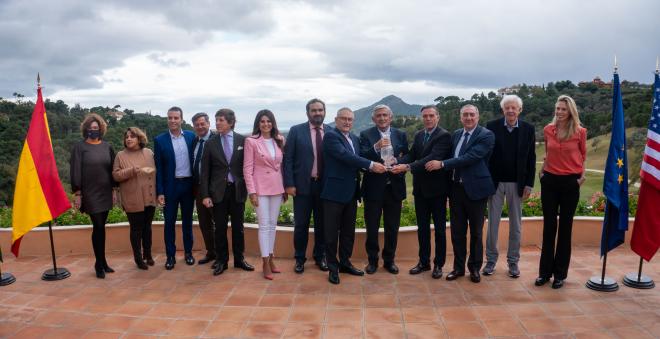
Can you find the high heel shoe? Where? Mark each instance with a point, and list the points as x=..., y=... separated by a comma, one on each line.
x=108, y=269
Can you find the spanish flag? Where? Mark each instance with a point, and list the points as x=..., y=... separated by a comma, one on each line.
x=39, y=196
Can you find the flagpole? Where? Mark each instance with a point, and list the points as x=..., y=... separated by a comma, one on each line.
x=603, y=283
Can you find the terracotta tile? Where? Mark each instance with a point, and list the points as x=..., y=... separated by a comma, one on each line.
x=234, y=313
x=594, y=307
x=422, y=331
x=99, y=335
x=134, y=308
x=243, y=300
x=54, y=318
x=562, y=309
x=632, y=332
x=82, y=320
x=310, y=300
x=181, y=297
x=458, y=313
x=503, y=327
x=9, y=327
x=224, y=329
x=343, y=315
x=455, y=299
x=343, y=330
x=263, y=330
x=303, y=330
x=538, y=326
x=270, y=314
x=307, y=314
x=346, y=288
x=185, y=327
x=277, y=300
x=527, y=311
x=345, y=301
x=198, y=312
x=314, y=288
x=600, y=334
x=419, y=315
x=150, y=326
x=115, y=323
x=381, y=300
x=384, y=330
x=215, y=299
x=411, y=288
x=282, y=288
x=380, y=315
x=165, y=311
x=490, y=312
x=415, y=300
x=465, y=329
x=578, y=323
x=609, y=321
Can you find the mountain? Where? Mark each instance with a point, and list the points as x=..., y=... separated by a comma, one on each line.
x=398, y=106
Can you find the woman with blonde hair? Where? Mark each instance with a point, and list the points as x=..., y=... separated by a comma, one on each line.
x=262, y=168
x=561, y=176
x=134, y=169
x=92, y=183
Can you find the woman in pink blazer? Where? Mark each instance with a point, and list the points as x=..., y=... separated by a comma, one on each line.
x=262, y=169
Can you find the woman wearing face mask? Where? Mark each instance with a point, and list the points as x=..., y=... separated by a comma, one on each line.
x=263, y=177
x=134, y=169
x=92, y=183
x=561, y=176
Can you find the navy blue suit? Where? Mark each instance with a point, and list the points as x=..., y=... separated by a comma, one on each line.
x=382, y=194
x=298, y=161
x=470, y=190
x=177, y=191
x=340, y=192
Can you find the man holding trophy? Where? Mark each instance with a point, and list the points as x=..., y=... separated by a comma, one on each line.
x=383, y=192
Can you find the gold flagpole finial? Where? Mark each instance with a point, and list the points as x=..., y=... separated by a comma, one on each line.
x=38, y=80
x=616, y=65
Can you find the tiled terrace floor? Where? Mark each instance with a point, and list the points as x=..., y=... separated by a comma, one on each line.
x=190, y=302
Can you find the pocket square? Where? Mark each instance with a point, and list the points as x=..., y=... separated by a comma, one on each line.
x=239, y=148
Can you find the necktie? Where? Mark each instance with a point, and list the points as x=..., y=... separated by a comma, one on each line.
x=457, y=172
x=198, y=158
x=319, y=151
x=427, y=136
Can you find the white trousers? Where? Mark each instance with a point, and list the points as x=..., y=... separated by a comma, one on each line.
x=267, y=213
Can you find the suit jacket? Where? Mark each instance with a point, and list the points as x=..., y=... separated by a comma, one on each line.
x=473, y=162
x=341, y=172
x=216, y=168
x=166, y=163
x=526, y=155
x=263, y=173
x=373, y=184
x=194, y=145
x=435, y=183
x=299, y=158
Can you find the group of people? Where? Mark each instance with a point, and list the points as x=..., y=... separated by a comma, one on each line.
x=327, y=170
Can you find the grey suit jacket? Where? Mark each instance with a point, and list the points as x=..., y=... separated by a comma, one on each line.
x=215, y=169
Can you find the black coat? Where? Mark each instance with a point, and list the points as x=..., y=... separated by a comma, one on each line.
x=435, y=183
x=526, y=164
x=215, y=169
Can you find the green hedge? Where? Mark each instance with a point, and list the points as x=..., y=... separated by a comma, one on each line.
x=531, y=207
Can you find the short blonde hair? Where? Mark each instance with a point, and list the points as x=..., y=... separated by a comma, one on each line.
x=87, y=122
x=142, y=137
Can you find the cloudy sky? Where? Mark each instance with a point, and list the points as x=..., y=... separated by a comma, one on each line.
x=247, y=55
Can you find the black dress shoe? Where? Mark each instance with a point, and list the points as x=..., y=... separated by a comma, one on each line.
x=207, y=259
x=149, y=260
x=322, y=264
x=371, y=268
x=475, y=277
x=437, y=272
x=169, y=263
x=215, y=265
x=141, y=264
x=100, y=273
x=350, y=269
x=299, y=267
x=540, y=281
x=219, y=268
x=453, y=275
x=333, y=277
x=391, y=267
x=243, y=265
x=557, y=283
x=190, y=260
x=419, y=268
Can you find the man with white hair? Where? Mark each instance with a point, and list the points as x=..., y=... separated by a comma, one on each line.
x=512, y=166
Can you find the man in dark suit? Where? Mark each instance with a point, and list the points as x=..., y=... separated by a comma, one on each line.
x=173, y=155
x=303, y=167
x=472, y=185
x=340, y=192
x=222, y=188
x=513, y=166
x=204, y=215
x=430, y=189
x=382, y=193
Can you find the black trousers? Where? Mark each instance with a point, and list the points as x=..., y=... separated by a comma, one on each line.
x=140, y=225
x=559, y=196
x=98, y=238
x=425, y=208
x=303, y=206
x=339, y=224
x=466, y=213
x=222, y=211
x=206, y=226
x=390, y=208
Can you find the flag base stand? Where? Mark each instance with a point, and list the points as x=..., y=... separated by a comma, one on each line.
x=56, y=274
x=7, y=279
x=600, y=284
x=636, y=281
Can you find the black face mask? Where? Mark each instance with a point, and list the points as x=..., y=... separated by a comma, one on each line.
x=93, y=134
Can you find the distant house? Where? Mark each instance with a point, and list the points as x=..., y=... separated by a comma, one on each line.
x=597, y=82
x=116, y=114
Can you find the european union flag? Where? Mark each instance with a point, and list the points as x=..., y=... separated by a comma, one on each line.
x=615, y=183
